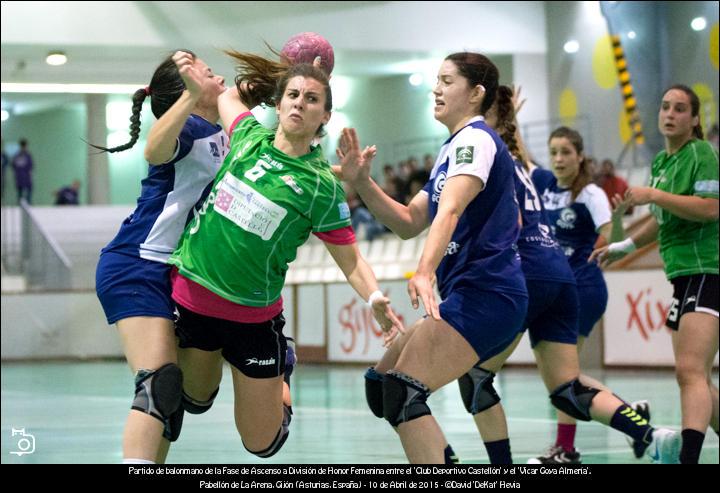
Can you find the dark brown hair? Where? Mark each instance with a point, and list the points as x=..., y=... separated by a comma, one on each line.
x=584, y=176
x=166, y=87
x=694, y=107
x=478, y=69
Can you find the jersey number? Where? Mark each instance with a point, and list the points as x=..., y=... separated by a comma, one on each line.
x=532, y=202
x=257, y=171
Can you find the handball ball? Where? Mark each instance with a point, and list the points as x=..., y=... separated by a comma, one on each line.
x=304, y=47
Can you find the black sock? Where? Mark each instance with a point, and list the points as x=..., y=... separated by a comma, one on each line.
x=499, y=451
x=627, y=421
x=450, y=457
x=692, y=441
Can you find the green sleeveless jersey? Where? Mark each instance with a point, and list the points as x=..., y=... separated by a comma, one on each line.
x=263, y=205
x=687, y=247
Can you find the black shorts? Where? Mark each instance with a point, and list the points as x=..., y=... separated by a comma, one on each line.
x=257, y=350
x=696, y=293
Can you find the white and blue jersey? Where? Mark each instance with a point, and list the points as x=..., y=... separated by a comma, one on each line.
x=480, y=278
x=132, y=276
x=171, y=191
x=542, y=257
x=482, y=251
x=575, y=224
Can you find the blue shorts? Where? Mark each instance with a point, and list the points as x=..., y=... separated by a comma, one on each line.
x=133, y=287
x=552, y=313
x=592, y=304
x=488, y=320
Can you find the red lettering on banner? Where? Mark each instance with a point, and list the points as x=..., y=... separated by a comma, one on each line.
x=357, y=321
x=643, y=303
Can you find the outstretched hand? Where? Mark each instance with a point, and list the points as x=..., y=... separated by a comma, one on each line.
x=388, y=320
x=619, y=205
x=517, y=102
x=355, y=164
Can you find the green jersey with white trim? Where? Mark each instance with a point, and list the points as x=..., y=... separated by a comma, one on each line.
x=687, y=247
x=262, y=207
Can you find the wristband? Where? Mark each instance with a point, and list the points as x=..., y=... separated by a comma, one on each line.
x=375, y=295
x=625, y=246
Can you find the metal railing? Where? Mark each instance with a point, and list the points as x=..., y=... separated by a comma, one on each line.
x=44, y=264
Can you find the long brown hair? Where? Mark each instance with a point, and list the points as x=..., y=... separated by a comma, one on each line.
x=263, y=81
x=505, y=126
x=584, y=176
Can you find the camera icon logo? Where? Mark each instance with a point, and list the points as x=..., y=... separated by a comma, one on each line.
x=25, y=442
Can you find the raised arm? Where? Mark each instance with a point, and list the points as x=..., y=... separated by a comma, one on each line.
x=230, y=106
x=405, y=221
x=688, y=207
x=162, y=138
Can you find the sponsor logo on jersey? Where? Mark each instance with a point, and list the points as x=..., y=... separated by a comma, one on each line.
x=464, y=155
x=269, y=160
x=291, y=183
x=344, y=210
x=214, y=149
x=452, y=248
x=438, y=186
x=259, y=362
x=567, y=218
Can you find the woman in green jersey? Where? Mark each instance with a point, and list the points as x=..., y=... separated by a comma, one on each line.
x=683, y=197
x=274, y=189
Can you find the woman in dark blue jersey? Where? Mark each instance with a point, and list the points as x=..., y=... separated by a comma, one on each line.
x=469, y=205
x=552, y=322
x=185, y=148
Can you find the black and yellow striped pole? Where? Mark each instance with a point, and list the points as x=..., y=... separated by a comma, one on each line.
x=628, y=94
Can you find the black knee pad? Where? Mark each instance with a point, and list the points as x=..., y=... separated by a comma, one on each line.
x=477, y=391
x=158, y=393
x=194, y=406
x=280, y=438
x=374, y=391
x=574, y=399
x=403, y=398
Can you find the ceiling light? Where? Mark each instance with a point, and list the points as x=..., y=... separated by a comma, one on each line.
x=56, y=58
x=571, y=46
x=632, y=35
x=698, y=23
x=416, y=79
x=4, y=115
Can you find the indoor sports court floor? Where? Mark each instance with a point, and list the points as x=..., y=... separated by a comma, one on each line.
x=76, y=413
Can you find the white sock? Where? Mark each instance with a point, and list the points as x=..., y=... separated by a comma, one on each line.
x=137, y=461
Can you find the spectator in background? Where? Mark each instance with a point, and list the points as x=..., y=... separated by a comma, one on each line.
x=428, y=163
x=363, y=222
x=22, y=164
x=5, y=163
x=611, y=183
x=68, y=195
x=393, y=184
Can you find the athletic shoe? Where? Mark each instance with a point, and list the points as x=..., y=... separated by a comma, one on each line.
x=557, y=455
x=665, y=447
x=642, y=408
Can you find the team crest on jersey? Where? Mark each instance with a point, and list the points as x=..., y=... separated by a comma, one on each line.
x=291, y=183
x=567, y=218
x=344, y=210
x=214, y=150
x=464, y=155
x=438, y=186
